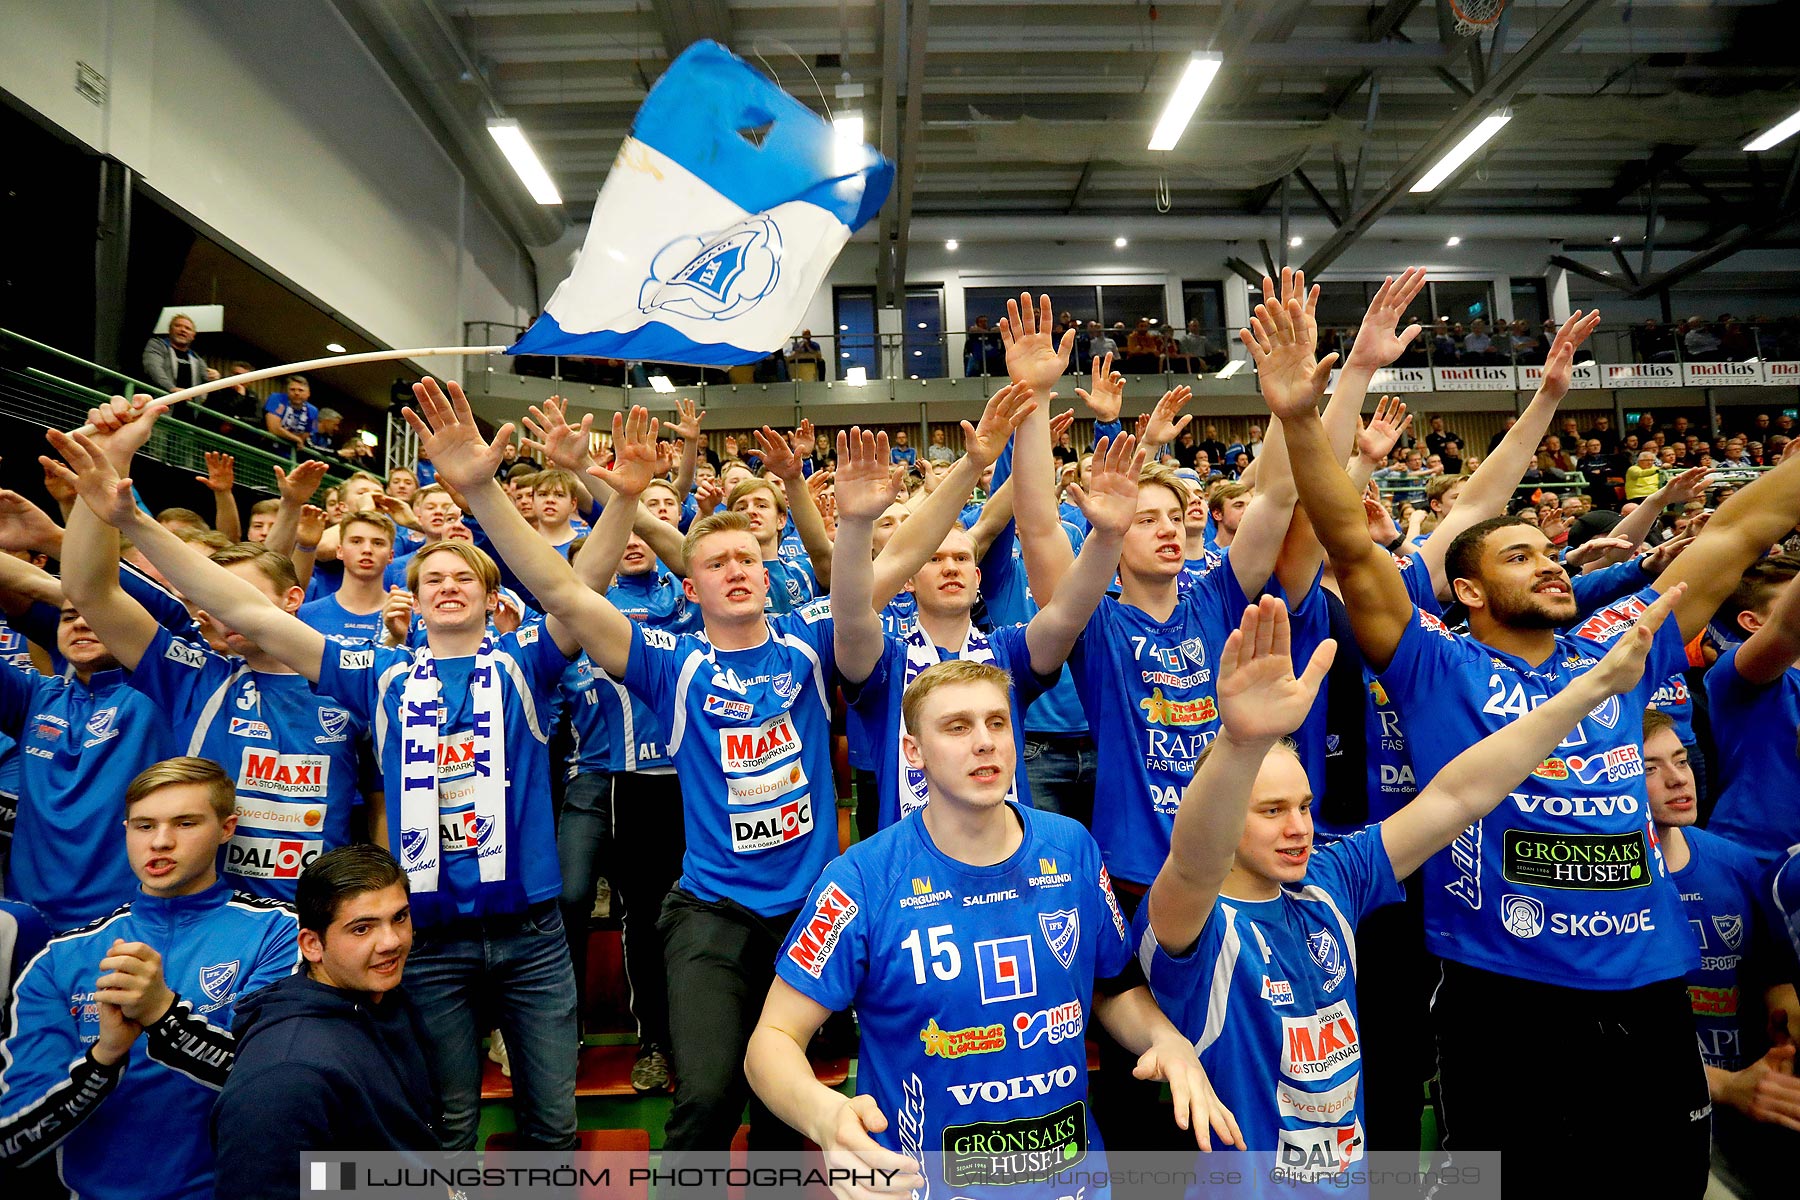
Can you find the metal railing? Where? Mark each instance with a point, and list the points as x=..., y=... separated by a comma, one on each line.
x=927, y=354
x=55, y=389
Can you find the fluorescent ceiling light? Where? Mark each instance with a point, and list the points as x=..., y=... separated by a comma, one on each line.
x=1464, y=150
x=334, y=347
x=951, y=244
x=847, y=145
x=1775, y=134
x=1231, y=368
x=1120, y=242
x=856, y=376
x=1296, y=241
x=1454, y=241
x=1202, y=66
x=511, y=140
x=661, y=383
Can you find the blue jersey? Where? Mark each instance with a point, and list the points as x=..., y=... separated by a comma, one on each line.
x=1719, y=894
x=614, y=730
x=291, y=752
x=329, y=616
x=750, y=734
x=972, y=988
x=877, y=700
x=1268, y=996
x=1780, y=901
x=15, y=647
x=1391, y=783
x=790, y=586
x=900, y=616
x=216, y=947
x=80, y=746
x=1753, y=728
x=370, y=680
x=1564, y=882
x=1151, y=701
x=1057, y=712
x=38, y=622
x=326, y=579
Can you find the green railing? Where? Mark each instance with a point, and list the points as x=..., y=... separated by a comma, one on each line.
x=35, y=385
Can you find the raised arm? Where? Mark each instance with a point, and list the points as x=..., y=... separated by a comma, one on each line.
x=1741, y=532
x=1281, y=339
x=579, y=616
x=1260, y=702
x=1372, y=589
x=90, y=579
x=234, y=601
x=1690, y=484
x=1767, y=654
x=296, y=488
x=865, y=487
x=1108, y=504
x=778, y=455
x=1482, y=776
x=913, y=544
x=220, y=478
x=1035, y=361
x=566, y=446
x=1491, y=487
x=1377, y=345
x=688, y=430
x=1377, y=439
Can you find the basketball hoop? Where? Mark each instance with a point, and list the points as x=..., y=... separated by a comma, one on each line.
x=1474, y=17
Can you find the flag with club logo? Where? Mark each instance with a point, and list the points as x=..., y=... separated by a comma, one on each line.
x=725, y=208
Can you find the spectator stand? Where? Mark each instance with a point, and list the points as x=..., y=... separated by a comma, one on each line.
x=39, y=384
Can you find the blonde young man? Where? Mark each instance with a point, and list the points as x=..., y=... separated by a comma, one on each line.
x=976, y=942
x=122, y=1028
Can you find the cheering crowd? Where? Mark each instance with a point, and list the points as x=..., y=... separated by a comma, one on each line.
x=1286, y=824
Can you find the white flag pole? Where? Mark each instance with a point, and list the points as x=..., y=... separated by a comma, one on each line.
x=320, y=364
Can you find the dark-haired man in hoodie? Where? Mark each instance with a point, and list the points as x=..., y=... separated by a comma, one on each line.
x=332, y=1059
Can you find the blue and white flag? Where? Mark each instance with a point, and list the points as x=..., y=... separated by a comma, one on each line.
x=727, y=205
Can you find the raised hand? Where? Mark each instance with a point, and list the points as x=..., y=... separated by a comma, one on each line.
x=688, y=427
x=634, y=454
x=865, y=484
x=1062, y=422
x=1559, y=364
x=1623, y=665
x=297, y=486
x=1658, y=560
x=1690, y=485
x=708, y=496
x=1165, y=420
x=61, y=492
x=25, y=526
x=1383, y=432
x=396, y=614
x=1259, y=697
x=1006, y=410
x=802, y=437
x=1598, y=552
x=1281, y=339
x=449, y=436
x=311, y=527
x=1382, y=530
x=777, y=453
x=1108, y=394
x=221, y=471
x=91, y=475
x=1377, y=345
x=1110, y=499
x=121, y=426
x=562, y=444
x=1033, y=357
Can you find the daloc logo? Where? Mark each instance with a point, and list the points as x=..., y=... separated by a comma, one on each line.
x=715, y=278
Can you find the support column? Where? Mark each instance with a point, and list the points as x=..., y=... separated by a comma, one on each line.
x=112, y=253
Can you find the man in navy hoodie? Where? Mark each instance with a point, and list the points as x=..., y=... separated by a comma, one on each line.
x=332, y=1059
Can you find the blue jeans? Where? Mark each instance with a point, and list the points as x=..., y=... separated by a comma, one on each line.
x=512, y=971
x=1061, y=770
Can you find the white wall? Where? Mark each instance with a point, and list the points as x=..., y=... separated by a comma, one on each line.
x=268, y=122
